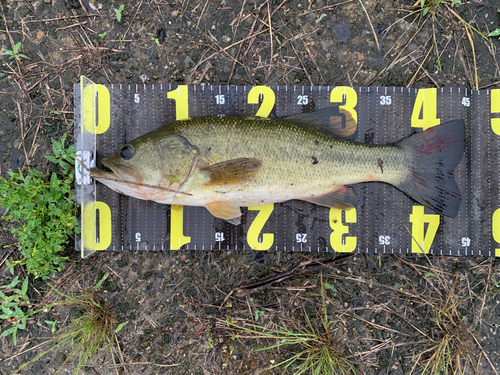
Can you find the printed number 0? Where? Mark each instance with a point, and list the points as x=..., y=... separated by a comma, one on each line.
x=495, y=108
x=495, y=224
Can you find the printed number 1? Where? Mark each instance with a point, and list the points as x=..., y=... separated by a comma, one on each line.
x=180, y=96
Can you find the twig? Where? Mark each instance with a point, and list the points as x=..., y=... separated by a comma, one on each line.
x=304, y=268
x=370, y=22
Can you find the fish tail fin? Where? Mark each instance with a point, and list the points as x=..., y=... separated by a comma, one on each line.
x=434, y=155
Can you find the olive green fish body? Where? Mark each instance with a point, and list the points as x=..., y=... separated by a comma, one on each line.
x=224, y=163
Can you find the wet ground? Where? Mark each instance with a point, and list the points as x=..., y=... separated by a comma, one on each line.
x=387, y=313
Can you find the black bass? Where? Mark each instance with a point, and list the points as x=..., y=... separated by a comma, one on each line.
x=224, y=163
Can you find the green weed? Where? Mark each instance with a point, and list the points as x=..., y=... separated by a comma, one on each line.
x=14, y=53
x=495, y=32
x=431, y=5
x=15, y=306
x=119, y=12
x=42, y=211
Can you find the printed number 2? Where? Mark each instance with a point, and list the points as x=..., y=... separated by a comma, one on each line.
x=268, y=99
x=422, y=241
x=256, y=227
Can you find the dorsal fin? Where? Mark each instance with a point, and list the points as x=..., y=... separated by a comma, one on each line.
x=333, y=121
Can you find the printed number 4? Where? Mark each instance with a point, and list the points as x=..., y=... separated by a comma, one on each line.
x=386, y=100
x=466, y=101
x=465, y=241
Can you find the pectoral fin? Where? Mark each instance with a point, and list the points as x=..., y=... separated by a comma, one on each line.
x=232, y=172
x=342, y=198
x=225, y=210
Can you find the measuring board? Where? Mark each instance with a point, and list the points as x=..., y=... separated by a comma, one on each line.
x=384, y=221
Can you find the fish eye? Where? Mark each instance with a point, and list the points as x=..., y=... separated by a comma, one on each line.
x=127, y=152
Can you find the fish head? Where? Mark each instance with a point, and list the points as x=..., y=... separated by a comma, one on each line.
x=149, y=167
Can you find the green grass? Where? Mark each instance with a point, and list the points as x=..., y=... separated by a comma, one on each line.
x=92, y=327
x=316, y=350
x=42, y=212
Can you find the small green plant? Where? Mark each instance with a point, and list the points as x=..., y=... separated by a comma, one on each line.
x=495, y=32
x=102, y=35
x=430, y=5
x=15, y=306
x=42, y=211
x=93, y=328
x=119, y=12
x=157, y=41
x=258, y=313
x=14, y=53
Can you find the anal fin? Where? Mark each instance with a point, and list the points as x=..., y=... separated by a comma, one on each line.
x=225, y=210
x=342, y=198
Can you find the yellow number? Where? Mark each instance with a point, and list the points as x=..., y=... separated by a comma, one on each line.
x=425, y=104
x=268, y=99
x=256, y=228
x=422, y=240
x=92, y=123
x=94, y=240
x=177, y=237
x=180, y=95
x=338, y=242
x=495, y=224
x=343, y=93
x=495, y=108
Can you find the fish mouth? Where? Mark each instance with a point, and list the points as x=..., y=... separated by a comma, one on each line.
x=110, y=173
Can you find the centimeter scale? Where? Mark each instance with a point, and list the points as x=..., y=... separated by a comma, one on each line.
x=384, y=221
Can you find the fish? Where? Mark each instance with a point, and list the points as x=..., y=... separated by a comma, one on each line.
x=227, y=162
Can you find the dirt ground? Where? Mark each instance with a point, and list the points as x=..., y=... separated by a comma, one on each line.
x=388, y=314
